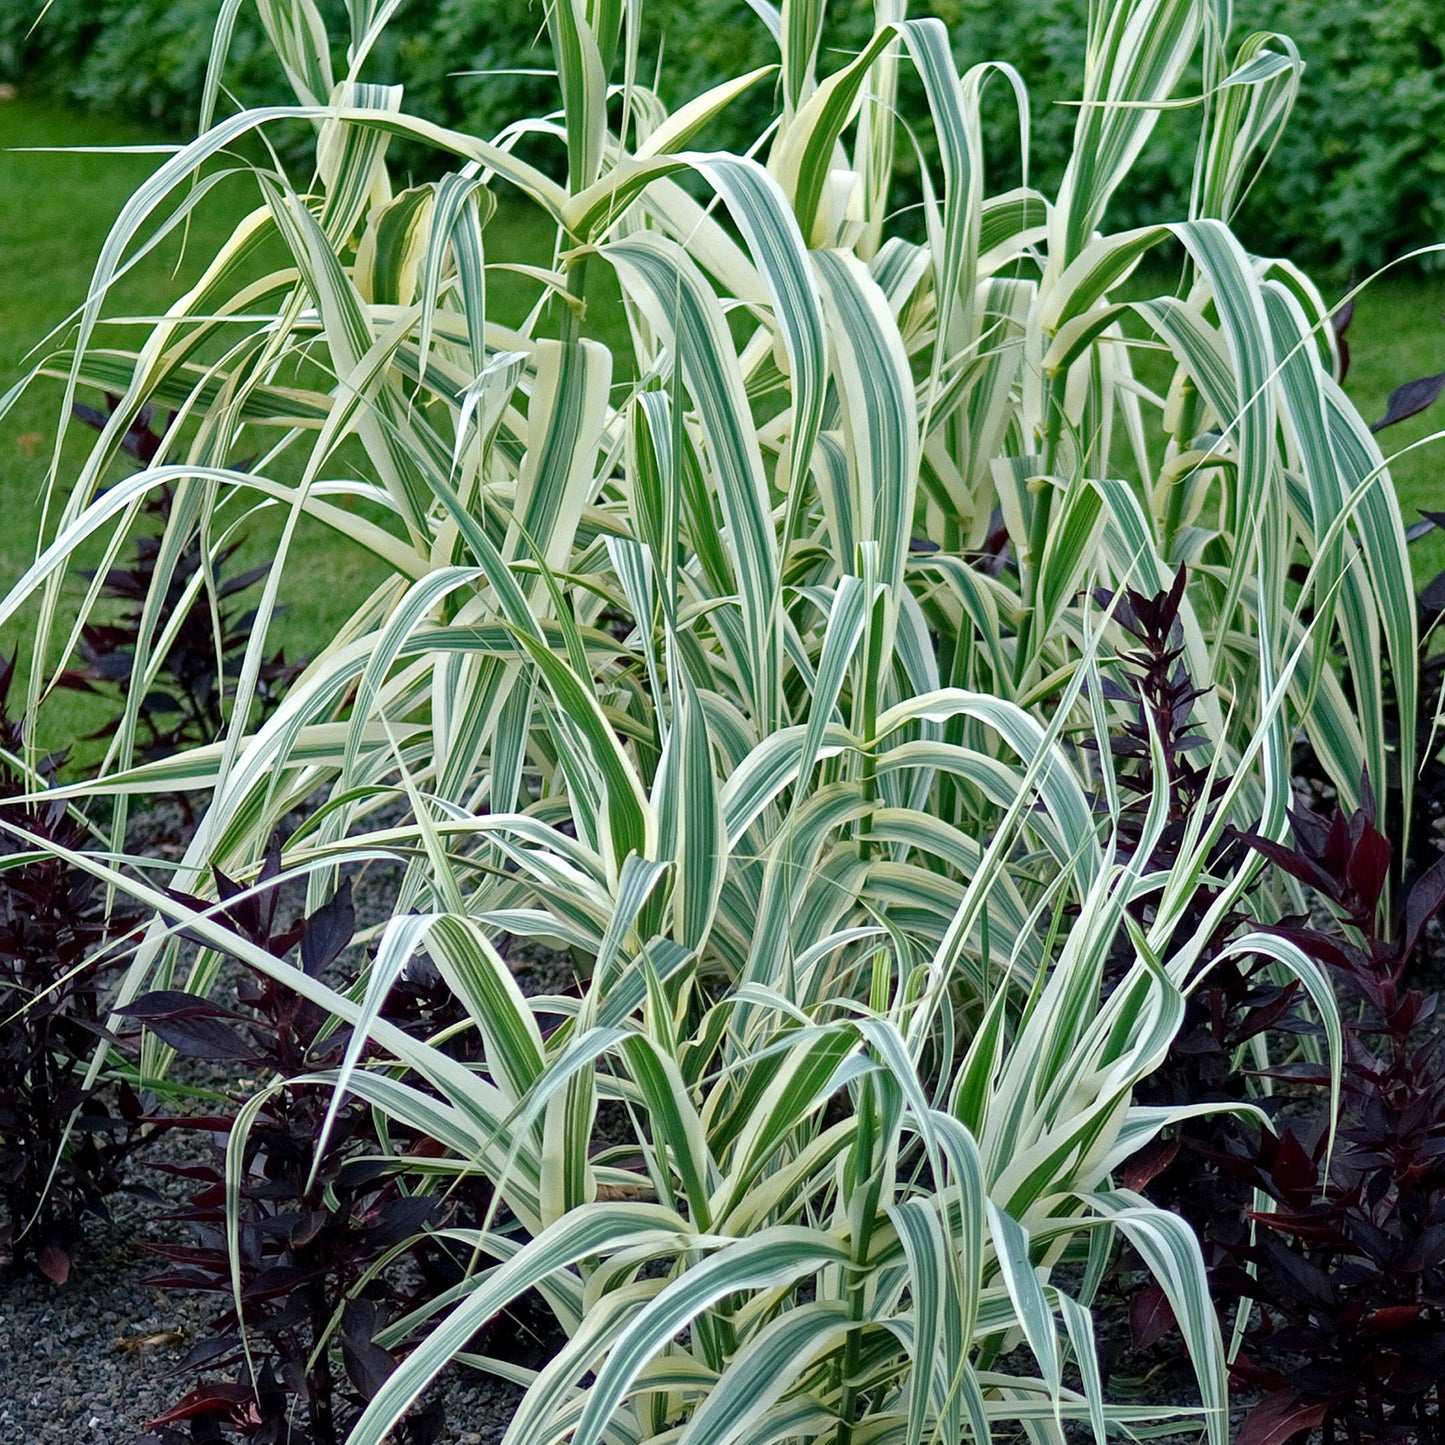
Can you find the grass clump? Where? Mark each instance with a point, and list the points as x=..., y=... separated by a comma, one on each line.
x=754, y=655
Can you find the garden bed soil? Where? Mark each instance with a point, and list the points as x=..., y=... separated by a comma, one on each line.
x=96, y=1358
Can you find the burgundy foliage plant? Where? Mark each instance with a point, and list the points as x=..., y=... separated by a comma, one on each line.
x=332, y=1246
x=61, y=1142
x=1348, y=1259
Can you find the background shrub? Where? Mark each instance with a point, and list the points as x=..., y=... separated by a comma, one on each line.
x=1356, y=179
x=146, y=58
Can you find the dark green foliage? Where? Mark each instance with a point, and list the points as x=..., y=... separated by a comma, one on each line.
x=148, y=58
x=145, y=59
x=1358, y=175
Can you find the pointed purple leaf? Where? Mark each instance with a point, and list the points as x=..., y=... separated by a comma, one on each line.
x=1279, y=1418
x=1426, y=899
x=328, y=931
x=1411, y=399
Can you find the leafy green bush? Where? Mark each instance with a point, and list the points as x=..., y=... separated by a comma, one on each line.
x=760, y=665
x=142, y=58
x=1356, y=177
x=1359, y=172
x=467, y=64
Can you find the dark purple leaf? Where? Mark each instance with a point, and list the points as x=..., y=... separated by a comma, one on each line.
x=91, y=416
x=1315, y=1075
x=367, y=1364
x=1369, y=867
x=1291, y=1168
x=356, y=1173
x=270, y=871
x=204, y=1354
x=244, y=913
x=191, y=1280
x=1312, y=831
x=305, y=1227
x=1426, y=899
x=1340, y=321
x=1365, y=814
x=54, y=1263
x=1428, y=1251
x=215, y=1399
x=1411, y=399
x=1151, y=1316
x=1323, y=946
x=1279, y=1418
x=1432, y=594
x=241, y=581
x=174, y=1003
x=1293, y=863
x=328, y=931
x=1265, y=1017
x=1306, y=1279
x=201, y=1038
x=1138, y=1169
x=190, y=1025
x=400, y=1219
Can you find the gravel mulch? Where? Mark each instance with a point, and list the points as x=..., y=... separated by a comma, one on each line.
x=96, y=1358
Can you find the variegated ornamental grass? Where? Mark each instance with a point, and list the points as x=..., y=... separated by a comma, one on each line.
x=658, y=673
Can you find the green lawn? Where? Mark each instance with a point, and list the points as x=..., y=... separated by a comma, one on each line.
x=1398, y=334
x=55, y=210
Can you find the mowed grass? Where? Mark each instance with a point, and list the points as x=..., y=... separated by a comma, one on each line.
x=56, y=208
x=1397, y=335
